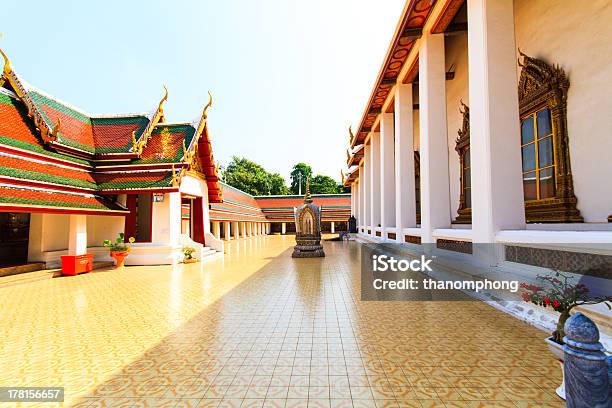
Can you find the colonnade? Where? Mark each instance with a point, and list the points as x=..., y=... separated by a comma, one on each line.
x=239, y=229
x=383, y=193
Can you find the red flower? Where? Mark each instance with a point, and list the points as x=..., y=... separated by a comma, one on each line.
x=546, y=300
x=556, y=303
x=526, y=297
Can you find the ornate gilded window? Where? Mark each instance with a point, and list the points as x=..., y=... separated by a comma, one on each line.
x=537, y=142
x=547, y=175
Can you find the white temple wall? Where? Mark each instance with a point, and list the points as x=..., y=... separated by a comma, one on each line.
x=100, y=227
x=167, y=220
x=197, y=187
x=55, y=233
x=576, y=35
x=456, y=90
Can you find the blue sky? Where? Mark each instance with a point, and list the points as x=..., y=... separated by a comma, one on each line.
x=288, y=77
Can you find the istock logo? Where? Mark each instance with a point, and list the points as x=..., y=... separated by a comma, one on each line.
x=384, y=263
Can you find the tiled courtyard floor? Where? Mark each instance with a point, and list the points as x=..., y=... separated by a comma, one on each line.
x=257, y=328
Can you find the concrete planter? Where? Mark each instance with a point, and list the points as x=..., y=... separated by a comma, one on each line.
x=557, y=350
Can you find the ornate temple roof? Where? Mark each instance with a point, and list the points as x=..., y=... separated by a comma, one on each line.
x=49, y=145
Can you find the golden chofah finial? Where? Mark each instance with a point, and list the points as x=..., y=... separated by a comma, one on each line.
x=464, y=106
x=351, y=135
x=7, y=63
x=208, y=105
x=160, y=106
x=165, y=98
x=342, y=176
x=184, y=150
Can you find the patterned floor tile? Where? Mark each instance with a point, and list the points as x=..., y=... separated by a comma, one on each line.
x=258, y=328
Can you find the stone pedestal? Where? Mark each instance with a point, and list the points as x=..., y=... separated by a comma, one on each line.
x=586, y=372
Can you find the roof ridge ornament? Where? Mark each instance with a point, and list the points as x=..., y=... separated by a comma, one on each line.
x=177, y=176
x=8, y=68
x=207, y=106
x=139, y=144
x=8, y=74
x=351, y=135
x=56, y=128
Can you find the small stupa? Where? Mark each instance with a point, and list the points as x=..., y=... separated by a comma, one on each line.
x=308, y=228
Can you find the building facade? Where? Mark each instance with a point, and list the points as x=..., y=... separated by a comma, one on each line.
x=486, y=125
x=70, y=180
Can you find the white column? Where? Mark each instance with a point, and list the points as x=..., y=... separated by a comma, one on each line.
x=249, y=229
x=363, y=191
x=77, y=240
x=226, y=230
x=375, y=181
x=333, y=227
x=367, y=174
x=236, y=233
x=497, y=191
x=435, y=199
x=353, y=198
x=284, y=228
x=217, y=229
x=387, y=174
x=405, y=200
x=242, y=227
x=268, y=228
x=358, y=201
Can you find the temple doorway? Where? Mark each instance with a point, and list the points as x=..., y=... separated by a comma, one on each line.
x=14, y=234
x=192, y=223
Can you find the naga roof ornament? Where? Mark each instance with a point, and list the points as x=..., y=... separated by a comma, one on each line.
x=8, y=74
x=139, y=144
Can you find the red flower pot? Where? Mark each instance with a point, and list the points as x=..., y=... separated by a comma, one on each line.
x=119, y=257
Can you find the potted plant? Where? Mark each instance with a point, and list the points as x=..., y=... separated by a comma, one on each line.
x=188, y=255
x=119, y=250
x=558, y=291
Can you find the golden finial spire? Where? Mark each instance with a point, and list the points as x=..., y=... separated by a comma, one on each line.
x=307, y=197
x=160, y=107
x=208, y=105
x=351, y=135
x=7, y=63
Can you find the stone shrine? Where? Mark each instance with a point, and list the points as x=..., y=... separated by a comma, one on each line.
x=308, y=229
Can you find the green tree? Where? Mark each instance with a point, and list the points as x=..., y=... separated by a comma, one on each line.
x=252, y=178
x=321, y=184
x=277, y=184
x=299, y=174
x=247, y=176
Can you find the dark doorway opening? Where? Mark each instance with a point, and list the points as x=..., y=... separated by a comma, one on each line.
x=14, y=235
